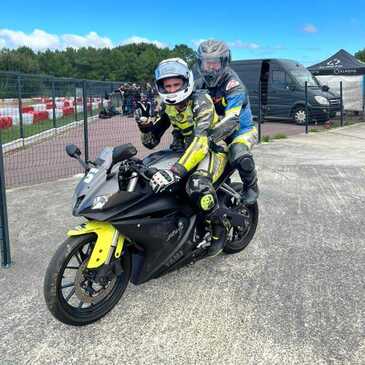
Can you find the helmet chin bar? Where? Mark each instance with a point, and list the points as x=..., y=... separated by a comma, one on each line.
x=181, y=103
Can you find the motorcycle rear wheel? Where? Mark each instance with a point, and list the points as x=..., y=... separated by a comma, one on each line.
x=76, y=299
x=241, y=237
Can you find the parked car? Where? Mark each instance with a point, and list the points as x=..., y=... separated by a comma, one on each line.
x=283, y=90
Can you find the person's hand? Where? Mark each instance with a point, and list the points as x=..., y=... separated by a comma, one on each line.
x=162, y=179
x=142, y=113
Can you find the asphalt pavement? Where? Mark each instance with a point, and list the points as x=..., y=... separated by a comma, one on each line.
x=295, y=295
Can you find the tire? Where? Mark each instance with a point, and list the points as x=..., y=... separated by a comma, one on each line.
x=64, y=262
x=299, y=115
x=243, y=237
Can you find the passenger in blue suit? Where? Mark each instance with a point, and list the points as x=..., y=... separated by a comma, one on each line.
x=231, y=100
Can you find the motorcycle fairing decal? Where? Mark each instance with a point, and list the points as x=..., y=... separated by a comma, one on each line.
x=104, y=232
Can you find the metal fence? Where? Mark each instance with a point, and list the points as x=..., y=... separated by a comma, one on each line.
x=39, y=115
x=304, y=108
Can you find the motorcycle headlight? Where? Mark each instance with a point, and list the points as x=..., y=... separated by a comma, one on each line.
x=100, y=201
x=321, y=100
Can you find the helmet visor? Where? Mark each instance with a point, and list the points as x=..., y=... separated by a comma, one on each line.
x=211, y=64
x=212, y=69
x=171, y=85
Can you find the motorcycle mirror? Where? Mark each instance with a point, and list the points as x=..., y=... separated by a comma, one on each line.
x=73, y=151
x=123, y=152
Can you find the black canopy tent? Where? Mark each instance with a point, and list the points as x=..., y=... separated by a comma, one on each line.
x=341, y=63
x=343, y=67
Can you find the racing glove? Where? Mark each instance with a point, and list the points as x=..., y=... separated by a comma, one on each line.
x=143, y=113
x=162, y=179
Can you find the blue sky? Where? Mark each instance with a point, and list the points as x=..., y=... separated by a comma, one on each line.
x=305, y=31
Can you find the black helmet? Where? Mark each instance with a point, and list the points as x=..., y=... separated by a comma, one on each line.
x=213, y=57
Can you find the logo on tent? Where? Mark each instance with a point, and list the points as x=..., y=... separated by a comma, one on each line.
x=334, y=63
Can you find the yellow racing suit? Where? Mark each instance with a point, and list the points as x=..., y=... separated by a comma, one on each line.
x=191, y=127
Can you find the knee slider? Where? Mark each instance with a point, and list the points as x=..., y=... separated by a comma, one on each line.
x=201, y=192
x=246, y=163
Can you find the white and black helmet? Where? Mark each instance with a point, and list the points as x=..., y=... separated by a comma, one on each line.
x=174, y=67
x=213, y=58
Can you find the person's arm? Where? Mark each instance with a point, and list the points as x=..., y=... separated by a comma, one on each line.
x=236, y=97
x=204, y=117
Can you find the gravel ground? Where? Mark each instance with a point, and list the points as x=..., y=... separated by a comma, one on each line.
x=294, y=296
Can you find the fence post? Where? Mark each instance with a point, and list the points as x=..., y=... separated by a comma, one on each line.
x=341, y=96
x=4, y=228
x=75, y=101
x=19, y=89
x=306, y=107
x=363, y=99
x=54, y=105
x=260, y=111
x=86, y=133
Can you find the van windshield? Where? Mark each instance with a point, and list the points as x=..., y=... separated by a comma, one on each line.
x=302, y=75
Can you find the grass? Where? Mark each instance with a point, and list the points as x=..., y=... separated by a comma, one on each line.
x=279, y=136
x=314, y=130
x=268, y=138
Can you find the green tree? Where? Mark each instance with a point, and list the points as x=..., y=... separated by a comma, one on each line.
x=22, y=59
x=360, y=55
x=132, y=62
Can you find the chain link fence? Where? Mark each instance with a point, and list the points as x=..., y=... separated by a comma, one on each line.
x=40, y=115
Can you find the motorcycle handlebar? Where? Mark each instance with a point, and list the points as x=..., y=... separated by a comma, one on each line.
x=143, y=171
x=148, y=172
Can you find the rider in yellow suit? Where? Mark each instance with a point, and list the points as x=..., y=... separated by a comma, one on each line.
x=192, y=116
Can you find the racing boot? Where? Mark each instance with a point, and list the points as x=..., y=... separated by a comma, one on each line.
x=218, y=239
x=250, y=191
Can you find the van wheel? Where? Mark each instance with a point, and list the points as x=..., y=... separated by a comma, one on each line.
x=299, y=115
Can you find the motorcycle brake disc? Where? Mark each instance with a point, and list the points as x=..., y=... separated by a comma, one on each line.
x=82, y=285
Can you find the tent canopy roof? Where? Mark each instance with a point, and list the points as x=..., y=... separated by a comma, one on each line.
x=341, y=63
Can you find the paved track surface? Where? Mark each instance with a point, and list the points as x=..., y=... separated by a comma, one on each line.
x=294, y=296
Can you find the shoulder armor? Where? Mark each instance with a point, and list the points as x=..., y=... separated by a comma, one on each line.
x=231, y=82
x=201, y=97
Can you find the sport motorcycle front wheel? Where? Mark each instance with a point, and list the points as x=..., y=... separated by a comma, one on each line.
x=72, y=293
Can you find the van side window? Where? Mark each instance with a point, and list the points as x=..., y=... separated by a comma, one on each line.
x=279, y=78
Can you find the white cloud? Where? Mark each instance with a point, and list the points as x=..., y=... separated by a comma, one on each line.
x=41, y=40
x=310, y=28
x=137, y=39
x=91, y=39
x=36, y=40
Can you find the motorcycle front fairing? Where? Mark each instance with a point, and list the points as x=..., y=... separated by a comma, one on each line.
x=99, y=189
x=160, y=224
x=94, y=184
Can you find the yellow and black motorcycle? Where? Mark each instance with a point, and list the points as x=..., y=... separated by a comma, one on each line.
x=132, y=234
